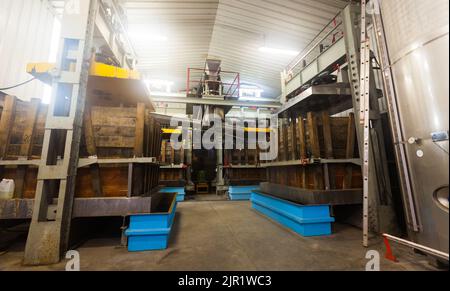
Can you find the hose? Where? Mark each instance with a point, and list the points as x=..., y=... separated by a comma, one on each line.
x=18, y=85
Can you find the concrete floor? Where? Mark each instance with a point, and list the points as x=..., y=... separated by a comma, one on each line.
x=225, y=236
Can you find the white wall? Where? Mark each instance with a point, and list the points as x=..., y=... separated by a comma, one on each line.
x=25, y=36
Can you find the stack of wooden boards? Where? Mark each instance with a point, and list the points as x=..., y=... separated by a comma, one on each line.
x=173, y=172
x=317, y=152
x=110, y=131
x=243, y=166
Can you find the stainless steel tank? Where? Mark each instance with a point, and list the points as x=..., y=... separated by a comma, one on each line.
x=418, y=43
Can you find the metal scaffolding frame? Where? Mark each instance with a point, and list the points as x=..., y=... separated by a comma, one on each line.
x=47, y=239
x=346, y=52
x=55, y=204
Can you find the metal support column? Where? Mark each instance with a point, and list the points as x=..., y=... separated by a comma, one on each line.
x=221, y=188
x=50, y=226
x=188, y=153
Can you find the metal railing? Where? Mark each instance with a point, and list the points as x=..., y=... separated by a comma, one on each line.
x=327, y=37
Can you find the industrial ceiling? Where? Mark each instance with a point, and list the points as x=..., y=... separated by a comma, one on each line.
x=171, y=35
x=230, y=30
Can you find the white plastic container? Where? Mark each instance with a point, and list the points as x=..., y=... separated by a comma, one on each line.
x=7, y=189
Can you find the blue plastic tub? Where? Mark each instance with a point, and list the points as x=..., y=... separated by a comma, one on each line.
x=179, y=190
x=314, y=220
x=241, y=192
x=151, y=231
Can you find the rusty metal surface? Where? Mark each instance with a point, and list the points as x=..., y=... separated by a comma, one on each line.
x=83, y=207
x=313, y=197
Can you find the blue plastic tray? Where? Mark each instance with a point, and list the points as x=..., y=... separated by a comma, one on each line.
x=150, y=231
x=179, y=190
x=241, y=192
x=314, y=220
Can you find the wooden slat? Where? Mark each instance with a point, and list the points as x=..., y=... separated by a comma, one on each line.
x=328, y=172
x=29, y=132
x=301, y=136
x=318, y=174
x=304, y=178
x=245, y=155
x=26, y=146
x=138, y=170
x=111, y=119
x=349, y=151
x=139, y=136
x=295, y=149
x=172, y=155
x=6, y=123
x=291, y=140
x=285, y=139
x=89, y=133
x=280, y=141
x=115, y=142
x=313, y=135
x=327, y=135
x=113, y=130
x=92, y=151
x=101, y=113
x=163, y=151
x=315, y=149
x=351, y=134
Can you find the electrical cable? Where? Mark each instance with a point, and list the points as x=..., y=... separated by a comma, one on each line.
x=18, y=85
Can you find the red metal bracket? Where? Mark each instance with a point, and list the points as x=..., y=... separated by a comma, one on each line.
x=389, y=255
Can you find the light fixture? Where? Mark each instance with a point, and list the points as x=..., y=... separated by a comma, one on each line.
x=276, y=51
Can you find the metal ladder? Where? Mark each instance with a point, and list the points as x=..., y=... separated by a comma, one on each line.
x=364, y=117
x=376, y=182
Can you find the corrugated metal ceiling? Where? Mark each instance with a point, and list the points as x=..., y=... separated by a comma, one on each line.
x=171, y=35
x=231, y=30
x=22, y=42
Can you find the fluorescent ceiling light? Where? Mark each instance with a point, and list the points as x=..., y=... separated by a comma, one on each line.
x=276, y=51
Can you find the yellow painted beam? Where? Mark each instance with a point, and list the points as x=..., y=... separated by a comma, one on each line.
x=247, y=129
x=103, y=70
x=40, y=68
x=252, y=129
x=42, y=71
x=171, y=130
